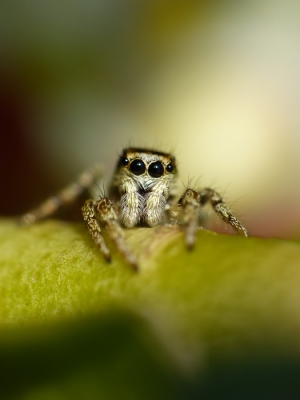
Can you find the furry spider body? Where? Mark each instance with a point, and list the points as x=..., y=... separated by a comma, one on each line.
x=142, y=192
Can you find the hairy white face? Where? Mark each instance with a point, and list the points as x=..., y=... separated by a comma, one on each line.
x=144, y=179
x=145, y=168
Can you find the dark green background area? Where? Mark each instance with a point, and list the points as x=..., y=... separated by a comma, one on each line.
x=221, y=321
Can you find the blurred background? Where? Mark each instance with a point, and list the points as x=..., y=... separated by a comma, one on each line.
x=216, y=82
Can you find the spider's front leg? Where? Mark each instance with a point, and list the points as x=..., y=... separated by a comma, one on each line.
x=192, y=201
x=102, y=212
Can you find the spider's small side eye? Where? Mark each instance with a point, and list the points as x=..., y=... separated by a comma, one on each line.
x=156, y=169
x=124, y=161
x=137, y=167
x=170, y=167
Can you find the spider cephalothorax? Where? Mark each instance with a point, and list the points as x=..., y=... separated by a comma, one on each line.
x=142, y=191
x=143, y=182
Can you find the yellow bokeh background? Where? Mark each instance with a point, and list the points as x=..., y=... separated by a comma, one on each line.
x=217, y=83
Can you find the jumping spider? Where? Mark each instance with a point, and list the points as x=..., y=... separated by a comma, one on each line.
x=142, y=192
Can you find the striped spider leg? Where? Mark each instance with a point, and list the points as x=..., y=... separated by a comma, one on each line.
x=95, y=213
x=102, y=213
x=191, y=202
x=65, y=197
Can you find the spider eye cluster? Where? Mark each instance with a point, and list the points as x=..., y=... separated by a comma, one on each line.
x=156, y=169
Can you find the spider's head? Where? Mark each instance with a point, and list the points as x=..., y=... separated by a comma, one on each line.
x=146, y=168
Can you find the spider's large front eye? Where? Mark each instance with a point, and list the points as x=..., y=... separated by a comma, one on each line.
x=137, y=167
x=156, y=169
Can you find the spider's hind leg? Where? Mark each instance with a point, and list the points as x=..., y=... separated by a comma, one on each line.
x=66, y=196
x=191, y=202
x=222, y=209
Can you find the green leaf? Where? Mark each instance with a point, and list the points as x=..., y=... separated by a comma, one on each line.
x=74, y=326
